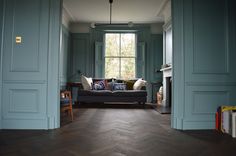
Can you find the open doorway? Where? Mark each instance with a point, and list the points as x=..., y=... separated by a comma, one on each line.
x=81, y=29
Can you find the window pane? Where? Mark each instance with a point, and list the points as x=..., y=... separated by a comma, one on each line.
x=127, y=68
x=128, y=44
x=112, y=67
x=112, y=44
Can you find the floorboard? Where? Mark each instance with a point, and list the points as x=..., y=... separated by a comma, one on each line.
x=115, y=131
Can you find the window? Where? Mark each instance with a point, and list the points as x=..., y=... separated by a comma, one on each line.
x=120, y=55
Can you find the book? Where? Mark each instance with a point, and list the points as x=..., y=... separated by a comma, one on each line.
x=228, y=108
x=225, y=120
x=218, y=119
x=226, y=125
x=233, y=133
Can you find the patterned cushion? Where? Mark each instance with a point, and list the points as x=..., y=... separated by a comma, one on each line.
x=119, y=86
x=64, y=101
x=99, y=85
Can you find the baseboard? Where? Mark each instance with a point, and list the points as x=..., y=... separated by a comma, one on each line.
x=24, y=124
x=198, y=125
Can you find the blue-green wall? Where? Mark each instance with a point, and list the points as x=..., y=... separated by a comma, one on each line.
x=65, y=57
x=204, y=55
x=81, y=60
x=83, y=52
x=156, y=57
x=30, y=86
x=1, y=37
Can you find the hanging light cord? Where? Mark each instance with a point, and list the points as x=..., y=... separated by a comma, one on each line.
x=93, y=25
x=110, y=1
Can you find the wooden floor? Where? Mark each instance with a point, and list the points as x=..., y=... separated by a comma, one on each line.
x=116, y=132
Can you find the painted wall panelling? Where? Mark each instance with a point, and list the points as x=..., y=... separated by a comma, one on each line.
x=153, y=57
x=204, y=47
x=26, y=61
x=167, y=43
x=157, y=55
x=24, y=64
x=64, y=56
x=24, y=106
x=156, y=62
x=81, y=57
x=99, y=59
x=31, y=68
x=1, y=51
x=140, y=60
x=96, y=36
x=53, y=103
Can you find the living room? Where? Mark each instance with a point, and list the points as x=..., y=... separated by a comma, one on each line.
x=84, y=47
x=203, y=78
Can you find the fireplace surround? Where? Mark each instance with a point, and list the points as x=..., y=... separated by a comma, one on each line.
x=167, y=75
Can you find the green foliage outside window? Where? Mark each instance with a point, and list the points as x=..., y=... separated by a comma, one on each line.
x=120, y=55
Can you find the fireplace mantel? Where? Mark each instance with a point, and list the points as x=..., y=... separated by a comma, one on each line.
x=167, y=72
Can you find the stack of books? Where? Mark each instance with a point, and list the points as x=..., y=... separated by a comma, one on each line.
x=226, y=120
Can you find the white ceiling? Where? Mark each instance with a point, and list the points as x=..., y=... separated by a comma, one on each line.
x=137, y=11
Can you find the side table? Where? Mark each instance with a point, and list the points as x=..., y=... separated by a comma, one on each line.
x=74, y=87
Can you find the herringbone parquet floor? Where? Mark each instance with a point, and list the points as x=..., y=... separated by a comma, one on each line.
x=116, y=132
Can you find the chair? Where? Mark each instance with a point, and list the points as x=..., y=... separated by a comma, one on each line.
x=66, y=103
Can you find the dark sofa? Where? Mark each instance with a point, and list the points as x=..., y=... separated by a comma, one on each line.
x=130, y=95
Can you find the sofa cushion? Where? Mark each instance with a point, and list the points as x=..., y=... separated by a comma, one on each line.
x=86, y=82
x=119, y=86
x=139, y=84
x=129, y=84
x=99, y=85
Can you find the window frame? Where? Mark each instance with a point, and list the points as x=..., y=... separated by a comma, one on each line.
x=119, y=56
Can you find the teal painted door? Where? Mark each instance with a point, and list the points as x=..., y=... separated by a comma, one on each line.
x=27, y=75
x=204, y=61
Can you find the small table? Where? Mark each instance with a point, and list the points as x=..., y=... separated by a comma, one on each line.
x=74, y=87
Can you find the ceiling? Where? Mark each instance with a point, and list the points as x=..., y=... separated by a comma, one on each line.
x=137, y=11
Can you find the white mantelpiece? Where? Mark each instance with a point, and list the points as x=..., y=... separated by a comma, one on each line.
x=167, y=62
x=167, y=74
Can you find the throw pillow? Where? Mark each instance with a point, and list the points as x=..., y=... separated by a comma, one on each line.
x=86, y=82
x=129, y=84
x=99, y=85
x=119, y=86
x=110, y=86
x=139, y=84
